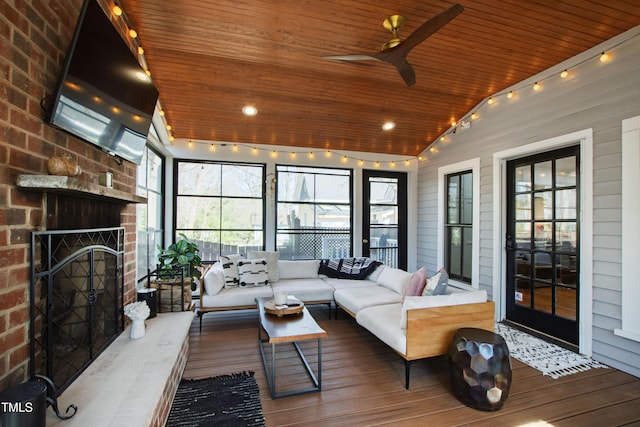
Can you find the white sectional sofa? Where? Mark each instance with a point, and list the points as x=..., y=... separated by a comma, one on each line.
x=416, y=327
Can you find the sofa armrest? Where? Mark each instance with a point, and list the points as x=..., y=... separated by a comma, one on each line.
x=430, y=330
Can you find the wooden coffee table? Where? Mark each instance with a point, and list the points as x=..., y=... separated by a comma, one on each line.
x=289, y=329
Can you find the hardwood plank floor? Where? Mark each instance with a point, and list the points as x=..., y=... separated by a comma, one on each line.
x=363, y=382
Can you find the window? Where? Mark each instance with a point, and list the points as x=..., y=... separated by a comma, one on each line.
x=463, y=256
x=150, y=217
x=220, y=206
x=314, y=212
x=459, y=226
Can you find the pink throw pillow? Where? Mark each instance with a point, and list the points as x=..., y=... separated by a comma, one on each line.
x=416, y=284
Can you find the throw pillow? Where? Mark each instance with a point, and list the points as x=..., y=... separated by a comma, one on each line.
x=230, y=270
x=437, y=284
x=272, y=262
x=253, y=273
x=416, y=284
x=213, y=279
x=394, y=279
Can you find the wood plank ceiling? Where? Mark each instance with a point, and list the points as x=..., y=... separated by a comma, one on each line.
x=209, y=58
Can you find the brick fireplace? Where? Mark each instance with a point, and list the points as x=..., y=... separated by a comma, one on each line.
x=35, y=36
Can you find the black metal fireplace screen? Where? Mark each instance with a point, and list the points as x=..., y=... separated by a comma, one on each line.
x=77, y=287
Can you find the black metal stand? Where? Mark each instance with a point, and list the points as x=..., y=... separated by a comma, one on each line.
x=52, y=398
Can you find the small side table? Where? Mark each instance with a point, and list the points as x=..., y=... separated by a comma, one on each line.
x=480, y=368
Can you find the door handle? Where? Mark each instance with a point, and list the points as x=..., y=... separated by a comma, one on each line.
x=365, y=241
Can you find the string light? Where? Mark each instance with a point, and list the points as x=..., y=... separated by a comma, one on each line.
x=536, y=86
x=274, y=153
x=117, y=10
x=133, y=33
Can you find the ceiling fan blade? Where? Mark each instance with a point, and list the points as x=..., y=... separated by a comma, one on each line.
x=352, y=57
x=428, y=28
x=406, y=71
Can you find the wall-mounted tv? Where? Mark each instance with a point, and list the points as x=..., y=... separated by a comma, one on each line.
x=103, y=95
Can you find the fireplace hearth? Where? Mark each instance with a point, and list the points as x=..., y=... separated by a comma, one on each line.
x=77, y=287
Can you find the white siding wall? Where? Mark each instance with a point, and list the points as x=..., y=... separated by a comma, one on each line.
x=595, y=96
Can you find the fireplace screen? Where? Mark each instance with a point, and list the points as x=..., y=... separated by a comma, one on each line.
x=77, y=284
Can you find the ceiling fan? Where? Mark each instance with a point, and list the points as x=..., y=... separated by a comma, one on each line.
x=395, y=50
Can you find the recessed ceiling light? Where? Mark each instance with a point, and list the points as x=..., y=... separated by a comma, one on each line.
x=249, y=110
x=388, y=125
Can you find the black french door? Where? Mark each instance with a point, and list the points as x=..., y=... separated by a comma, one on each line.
x=542, y=242
x=384, y=222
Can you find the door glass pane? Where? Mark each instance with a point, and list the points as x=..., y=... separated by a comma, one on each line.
x=566, y=172
x=383, y=215
x=523, y=263
x=543, y=205
x=566, y=237
x=542, y=265
x=383, y=191
x=523, y=235
x=566, y=272
x=523, y=179
x=523, y=206
x=542, y=175
x=566, y=302
x=566, y=204
x=543, y=234
x=543, y=297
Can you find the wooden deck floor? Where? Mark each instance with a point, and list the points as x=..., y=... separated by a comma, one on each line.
x=363, y=382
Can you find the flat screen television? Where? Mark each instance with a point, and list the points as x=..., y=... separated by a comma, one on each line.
x=103, y=94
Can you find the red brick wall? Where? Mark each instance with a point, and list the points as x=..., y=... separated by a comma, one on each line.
x=34, y=35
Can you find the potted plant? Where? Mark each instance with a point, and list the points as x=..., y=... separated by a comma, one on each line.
x=184, y=255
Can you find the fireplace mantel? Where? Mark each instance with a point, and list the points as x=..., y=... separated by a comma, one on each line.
x=75, y=187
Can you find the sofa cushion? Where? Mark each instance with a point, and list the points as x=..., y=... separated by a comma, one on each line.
x=302, y=269
x=230, y=269
x=384, y=322
x=453, y=298
x=416, y=284
x=437, y=284
x=236, y=297
x=348, y=283
x=306, y=290
x=252, y=273
x=214, y=279
x=394, y=279
x=272, y=262
x=355, y=299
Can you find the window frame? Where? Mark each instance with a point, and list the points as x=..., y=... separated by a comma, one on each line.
x=143, y=190
x=221, y=196
x=346, y=172
x=472, y=165
x=458, y=224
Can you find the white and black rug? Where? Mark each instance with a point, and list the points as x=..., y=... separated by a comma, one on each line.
x=227, y=401
x=548, y=358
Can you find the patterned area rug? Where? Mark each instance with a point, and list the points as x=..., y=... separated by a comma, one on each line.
x=548, y=358
x=227, y=400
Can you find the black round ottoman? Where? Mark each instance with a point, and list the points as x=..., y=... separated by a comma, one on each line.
x=480, y=368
